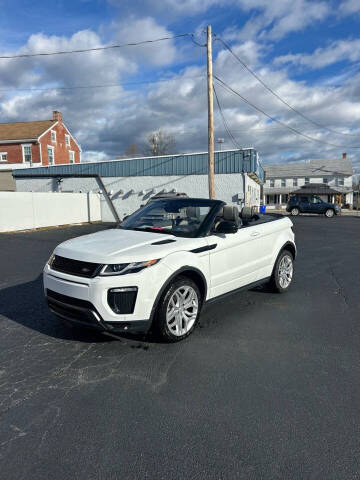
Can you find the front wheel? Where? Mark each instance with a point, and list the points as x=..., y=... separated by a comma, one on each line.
x=295, y=212
x=329, y=213
x=283, y=272
x=178, y=310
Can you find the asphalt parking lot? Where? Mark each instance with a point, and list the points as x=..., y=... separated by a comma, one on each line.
x=267, y=387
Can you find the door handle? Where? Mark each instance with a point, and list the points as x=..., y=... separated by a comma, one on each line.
x=254, y=234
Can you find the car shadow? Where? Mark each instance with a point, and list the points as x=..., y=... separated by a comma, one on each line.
x=25, y=304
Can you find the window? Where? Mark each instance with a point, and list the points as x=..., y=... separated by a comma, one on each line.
x=283, y=182
x=53, y=136
x=26, y=151
x=325, y=180
x=304, y=199
x=3, y=157
x=295, y=182
x=51, y=156
x=179, y=217
x=340, y=181
x=67, y=140
x=307, y=180
x=71, y=156
x=272, y=182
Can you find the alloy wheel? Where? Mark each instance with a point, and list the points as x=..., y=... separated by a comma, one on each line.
x=285, y=271
x=182, y=310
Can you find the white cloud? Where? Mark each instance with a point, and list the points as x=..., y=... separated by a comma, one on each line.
x=106, y=121
x=349, y=7
x=279, y=17
x=137, y=30
x=323, y=57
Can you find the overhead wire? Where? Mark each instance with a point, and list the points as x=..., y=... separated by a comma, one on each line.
x=260, y=80
x=94, y=49
x=232, y=138
x=75, y=87
x=294, y=130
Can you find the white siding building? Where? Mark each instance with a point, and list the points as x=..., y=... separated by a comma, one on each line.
x=283, y=179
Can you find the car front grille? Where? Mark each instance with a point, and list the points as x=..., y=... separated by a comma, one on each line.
x=75, y=267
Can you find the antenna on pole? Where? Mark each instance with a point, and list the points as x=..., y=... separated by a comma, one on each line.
x=210, y=114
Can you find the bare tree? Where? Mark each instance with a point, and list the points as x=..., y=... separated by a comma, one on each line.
x=132, y=150
x=160, y=143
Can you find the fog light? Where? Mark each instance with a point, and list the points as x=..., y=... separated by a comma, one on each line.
x=122, y=300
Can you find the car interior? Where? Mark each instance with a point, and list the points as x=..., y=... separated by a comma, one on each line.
x=246, y=217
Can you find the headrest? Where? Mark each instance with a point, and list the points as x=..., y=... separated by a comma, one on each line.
x=191, y=211
x=231, y=213
x=247, y=213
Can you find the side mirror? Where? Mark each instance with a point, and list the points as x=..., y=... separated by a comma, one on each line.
x=226, y=227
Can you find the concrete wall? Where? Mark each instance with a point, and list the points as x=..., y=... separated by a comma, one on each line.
x=26, y=210
x=228, y=187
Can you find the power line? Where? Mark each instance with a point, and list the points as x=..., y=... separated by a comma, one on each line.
x=229, y=89
x=276, y=94
x=94, y=49
x=74, y=87
x=225, y=122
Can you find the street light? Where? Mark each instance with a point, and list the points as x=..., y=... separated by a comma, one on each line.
x=220, y=141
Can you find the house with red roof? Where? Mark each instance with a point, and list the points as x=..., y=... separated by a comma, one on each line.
x=37, y=143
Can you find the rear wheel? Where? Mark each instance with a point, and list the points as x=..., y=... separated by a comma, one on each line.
x=178, y=310
x=295, y=212
x=283, y=272
x=329, y=213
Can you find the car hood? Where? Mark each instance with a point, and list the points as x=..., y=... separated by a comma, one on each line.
x=123, y=246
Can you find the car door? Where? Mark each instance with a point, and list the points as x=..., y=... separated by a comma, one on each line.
x=305, y=204
x=234, y=259
x=317, y=205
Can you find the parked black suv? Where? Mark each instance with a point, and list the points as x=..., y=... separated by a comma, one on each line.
x=311, y=204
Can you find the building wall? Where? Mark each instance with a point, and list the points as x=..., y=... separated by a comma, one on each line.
x=332, y=181
x=26, y=210
x=228, y=187
x=61, y=151
x=14, y=153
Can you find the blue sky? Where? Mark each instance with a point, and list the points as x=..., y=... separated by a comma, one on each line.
x=307, y=51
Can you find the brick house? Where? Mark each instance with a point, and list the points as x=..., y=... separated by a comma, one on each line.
x=44, y=142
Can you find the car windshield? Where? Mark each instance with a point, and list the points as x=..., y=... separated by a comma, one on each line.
x=180, y=217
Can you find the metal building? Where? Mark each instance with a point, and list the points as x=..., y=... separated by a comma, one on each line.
x=130, y=182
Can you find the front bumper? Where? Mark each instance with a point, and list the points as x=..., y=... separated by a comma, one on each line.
x=85, y=300
x=84, y=313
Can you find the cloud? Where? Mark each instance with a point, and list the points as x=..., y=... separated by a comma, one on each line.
x=137, y=30
x=273, y=20
x=322, y=57
x=106, y=120
x=348, y=7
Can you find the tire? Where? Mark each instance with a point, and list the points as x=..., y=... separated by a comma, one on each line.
x=280, y=280
x=173, y=322
x=295, y=212
x=329, y=213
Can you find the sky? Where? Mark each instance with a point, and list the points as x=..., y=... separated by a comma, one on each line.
x=307, y=51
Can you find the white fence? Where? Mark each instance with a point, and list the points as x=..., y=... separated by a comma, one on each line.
x=27, y=210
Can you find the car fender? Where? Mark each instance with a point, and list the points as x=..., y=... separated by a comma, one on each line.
x=285, y=238
x=178, y=263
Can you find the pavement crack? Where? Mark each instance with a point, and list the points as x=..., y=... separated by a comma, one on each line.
x=340, y=289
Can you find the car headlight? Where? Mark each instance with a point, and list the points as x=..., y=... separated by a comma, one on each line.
x=125, y=268
x=51, y=259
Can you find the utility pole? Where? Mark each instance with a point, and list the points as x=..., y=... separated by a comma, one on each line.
x=210, y=114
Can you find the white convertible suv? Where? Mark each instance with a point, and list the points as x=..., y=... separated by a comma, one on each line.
x=160, y=265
